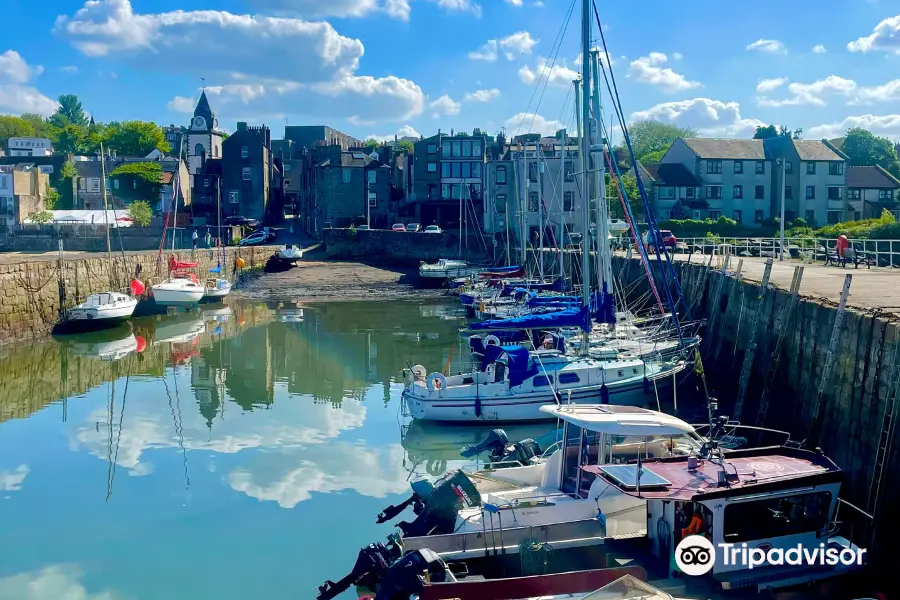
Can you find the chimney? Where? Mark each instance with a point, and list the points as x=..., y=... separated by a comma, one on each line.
x=241, y=126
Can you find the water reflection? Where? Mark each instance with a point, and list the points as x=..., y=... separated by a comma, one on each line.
x=183, y=440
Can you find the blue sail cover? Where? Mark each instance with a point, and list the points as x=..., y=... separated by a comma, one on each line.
x=571, y=317
x=467, y=299
x=556, y=286
x=604, y=306
x=511, y=269
x=538, y=300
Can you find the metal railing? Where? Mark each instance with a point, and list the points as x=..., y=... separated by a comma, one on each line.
x=881, y=253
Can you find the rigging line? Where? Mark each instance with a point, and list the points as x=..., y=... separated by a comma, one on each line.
x=115, y=459
x=550, y=68
x=538, y=83
x=109, y=425
x=172, y=409
x=180, y=429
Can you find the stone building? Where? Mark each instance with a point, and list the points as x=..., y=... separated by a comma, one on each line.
x=204, y=136
x=251, y=183
x=23, y=190
x=345, y=182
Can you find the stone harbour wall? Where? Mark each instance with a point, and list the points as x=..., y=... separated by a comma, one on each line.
x=398, y=247
x=33, y=294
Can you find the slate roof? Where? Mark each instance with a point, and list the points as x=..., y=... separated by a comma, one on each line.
x=871, y=178
x=726, y=148
x=671, y=174
x=87, y=168
x=815, y=150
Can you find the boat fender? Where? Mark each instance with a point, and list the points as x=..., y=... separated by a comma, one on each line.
x=436, y=381
x=492, y=340
x=604, y=394
x=418, y=373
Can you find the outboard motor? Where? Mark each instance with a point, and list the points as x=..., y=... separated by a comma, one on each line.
x=372, y=565
x=525, y=450
x=452, y=493
x=421, y=488
x=495, y=442
x=404, y=578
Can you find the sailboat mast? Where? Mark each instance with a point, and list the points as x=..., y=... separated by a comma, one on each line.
x=539, y=168
x=604, y=264
x=105, y=207
x=585, y=159
x=562, y=205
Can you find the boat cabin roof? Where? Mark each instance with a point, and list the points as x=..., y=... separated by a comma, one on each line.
x=619, y=420
x=749, y=472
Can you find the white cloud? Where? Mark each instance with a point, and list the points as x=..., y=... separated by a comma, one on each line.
x=315, y=74
x=445, y=105
x=11, y=481
x=886, y=37
x=770, y=46
x=181, y=104
x=531, y=123
x=813, y=93
x=768, y=85
x=819, y=49
x=709, y=117
x=289, y=478
x=460, y=6
x=558, y=75
x=677, y=56
x=405, y=131
x=58, y=582
x=884, y=125
x=649, y=69
x=316, y=8
x=16, y=96
x=399, y=9
x=482, y=95
x=516, y=44
x=889, y=92
x=515, y=2
x=69, y=69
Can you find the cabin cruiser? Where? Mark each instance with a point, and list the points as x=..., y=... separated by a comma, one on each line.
x=99, y=311
x=628, y=486
x=179, y=329
x=446, y=268
x=108, y=345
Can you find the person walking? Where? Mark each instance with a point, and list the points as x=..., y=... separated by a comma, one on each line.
x=194, y=239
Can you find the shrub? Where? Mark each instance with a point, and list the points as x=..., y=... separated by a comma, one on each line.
x=140, y=212
x=41, y=217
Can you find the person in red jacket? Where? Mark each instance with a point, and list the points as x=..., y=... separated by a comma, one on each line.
x=841, y=245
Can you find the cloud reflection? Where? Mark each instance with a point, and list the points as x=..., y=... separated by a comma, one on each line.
x=11, y=481
x=59, y=582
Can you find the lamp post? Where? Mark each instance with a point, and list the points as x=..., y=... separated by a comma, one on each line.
x=781, y=163
x=368, y=204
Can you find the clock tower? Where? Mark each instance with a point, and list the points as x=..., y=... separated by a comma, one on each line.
x=204, y=136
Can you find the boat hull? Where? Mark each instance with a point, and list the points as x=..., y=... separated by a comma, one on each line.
x=94, y=318
x=218, y=292
x=167, y=294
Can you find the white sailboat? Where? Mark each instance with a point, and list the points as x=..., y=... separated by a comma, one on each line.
x=217, y=288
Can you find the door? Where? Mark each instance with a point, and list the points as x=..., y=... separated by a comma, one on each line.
x=571, y=470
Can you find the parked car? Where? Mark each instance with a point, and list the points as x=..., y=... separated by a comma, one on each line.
x=363, y=228
x=669, y=240
x=398, y=227
x=414, y=227
x=254, y=239
x=432, y=229
x=239, y=220
x=269, y=232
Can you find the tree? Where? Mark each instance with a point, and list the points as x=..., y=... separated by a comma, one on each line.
x=654, y=157
x=140, y=212
x=41, y=127
x=14, y=127
x=135, y=138
x=629, y=184
x=764, y=133
x=406, y=146
x=67, y=171
x=72, y=138
x=70, y=111
x=863, y=148
x=651, y=136
x=41, y=217
x=370, y=143
x=51, y=199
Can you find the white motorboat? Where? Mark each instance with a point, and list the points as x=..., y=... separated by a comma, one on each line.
x=290, y=253
x=618, y=226
x=108, y=345
x=179, y=329
x=178, y=291
x=216, y=289
x=447, y=269
x=99, y=311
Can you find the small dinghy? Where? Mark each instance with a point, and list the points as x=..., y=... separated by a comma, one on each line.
x=290, y=253
x=216, y=289
x=99, y=311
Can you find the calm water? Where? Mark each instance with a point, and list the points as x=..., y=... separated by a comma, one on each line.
x=236, y=453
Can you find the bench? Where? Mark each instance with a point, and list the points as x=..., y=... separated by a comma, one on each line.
x=851, y=255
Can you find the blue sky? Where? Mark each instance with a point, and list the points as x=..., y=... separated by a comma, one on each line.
x=381, y=67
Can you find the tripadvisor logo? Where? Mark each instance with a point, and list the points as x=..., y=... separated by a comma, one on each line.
x=696, y=555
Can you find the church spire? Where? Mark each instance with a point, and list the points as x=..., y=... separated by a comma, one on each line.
x=204, y=110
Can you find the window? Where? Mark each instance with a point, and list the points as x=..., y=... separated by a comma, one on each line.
x=760, y=192
x=476, y=170
x=245, y=152
x=835, y=192
x=455, y=149
x=4, y=178
x=715, y=214
x=776, y=517
x=714, y=192
x=115, y=184
x=788, y=192
x=501, y=174
x=445, y=149
x=568, y=201
x=854, y=194
x=666, y=193
x=532, y=201
x=788, y=167
x=95, y=184
x=834, y=216
x=884, y=194
x=466, y=170
x=476, y=148
x=215, y=151
x=445, y=169
x=857, y=215
x=345, y=175
x=738, y=192
x=198, y=150
x=234, y=196
x=810, y=216
x=500, y=203
x=475, y=190
x=836, y=168
x=713, y=166
x=245, y=173
x=569, y=378
x=81, y=183
x=432, y=148
x=810, y=192
x=372, y=176
x=432, y=190
x=758, y=216
x=455, y=169
x=466, y=149
x=287, y=168
x=738, y=166
x=445, y=190
x=736, y=215
x=206, y=182
x=532, y=172
x=372, y=200
x=569, y=170
x=287, y=183
x=432, y=167
x=542, y=380
x=690, y=192
x=810, y=168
